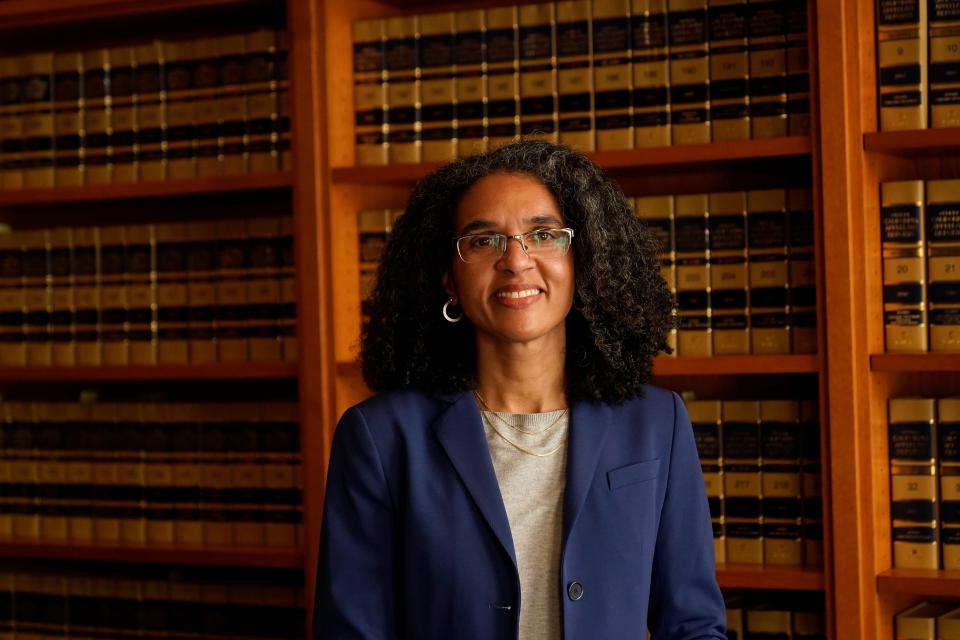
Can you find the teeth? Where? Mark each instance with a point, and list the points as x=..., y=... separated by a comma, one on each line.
x=518, y=294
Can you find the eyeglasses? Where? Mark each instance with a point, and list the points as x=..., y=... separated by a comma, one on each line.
x=542, y=243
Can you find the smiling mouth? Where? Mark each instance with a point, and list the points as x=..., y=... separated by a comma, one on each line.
x=515, y=295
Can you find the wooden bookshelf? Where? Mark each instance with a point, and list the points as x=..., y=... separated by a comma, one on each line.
x=748, y=576
x=183, y=372
x=153, y=554
x=923, y=142
x=916, y=362
x=928, y=584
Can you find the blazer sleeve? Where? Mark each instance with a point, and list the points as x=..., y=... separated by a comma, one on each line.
x=685, y=601
x=355, y=576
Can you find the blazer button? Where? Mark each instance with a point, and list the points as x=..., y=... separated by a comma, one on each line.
x=575, y=590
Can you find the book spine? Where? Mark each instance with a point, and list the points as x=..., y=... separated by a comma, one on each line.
x=904, y=266
x=206, y=84
x=287, y=321
x=186, y=474
x=114, y=298
x=437, y=88
x=67, y=119
x=261, y=101
x=902, y=64
x=575, y=75
x=913, y=483
x=948, y=436
x=651, y=73
x=689, y=72
x=158, y=474
x=62, y=300
x=469, y=53
x=232, y=310
x=728, y=273
x=769, y=621
x=769, y=277
x=11, y=124
x=798, y=68
x=403, y=89
x=8, y=488
x=141, y=270
x=612, y=74
x=781, y=486
x=107, y=491
x=944, y=69
x=263, y=290
x=172, y=294
x=216, y=489
x=79, y=472
x=694, y=337
x=38, y=132
x=284, y=141
x=503, y=81
x=705, y=416
x=657, y=213
x=51, y=471
x=36, y=286
x=369, y=92
x=201, y=292
x=231, y=104
x=920, y=621
x=246, y=477
x=280, y=443
x=812, y=484
x=130, y=511
x=742, y=473
x=151, y=106
x=96, y=116
x=181, y=118
x=943, y=264
x=538, y=71
x=123, y=122
x=768, y=69
x=803, y=270
x=85, y=267
x=12, y=343
x=729, y=70
x=24, y=470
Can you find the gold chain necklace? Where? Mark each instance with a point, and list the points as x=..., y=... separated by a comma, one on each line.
x=523, y=449
x=517, y=427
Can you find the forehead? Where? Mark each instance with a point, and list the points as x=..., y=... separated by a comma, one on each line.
x=506, y=200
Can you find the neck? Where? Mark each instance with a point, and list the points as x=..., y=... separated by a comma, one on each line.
x=521, y=377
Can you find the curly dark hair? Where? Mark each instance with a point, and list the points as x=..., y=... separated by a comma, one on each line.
x=622, y=310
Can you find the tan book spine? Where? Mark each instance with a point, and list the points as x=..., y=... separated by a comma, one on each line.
x=902, y=64
x=131, y=469
x=181, y=108
x=705, y=416
x=281, y=473
x=232, y=309
x=913, y=483
x=11, y=125
x=284, y=138
x=735, y=625
x=575, y=123
x=12, y=343
x=742, y=482
x=51, y=470
x=948, y=625
x=86, y=281
x=798, y=69
x=538, y=71
x=948, y=435
x=201, y=291
x=141, y=330
x=62, y=300
x=8, y=499
x=469, y=51
x=38, y=132
x=781, y=485
x=657, y=213
x=768, y=69
x=803, y=270
x=105, y=470
x=769, y=271
x=97, y=158
x=24, y=470
x=151, y=106
x=729, y=70
x=263, y=290
x=262, y=106
x=37, y=290
x=437, y=87
x=765, y=621
x=123, y=118
x=689, y=72
x=114, y=296
x=904, y=266
x=231, y=104
x=247, y=513
x=217, y=480
x=503, y=76
x=67, y=119
x=812, y=484
x=943, y=264
x=809, y=625
x=79, y=589
x=158, y=464
x=612, y=74
x=79, y=471
x=373, y=229
x=920, y=621
x=651, y=73
x=186, y=473
x=172, y=293
x=403, y=89
x=206, y=87
x=287, y=322
x=944, y=40
x=694, y=337
x=49, y=589
x=369, y=92
x=728, y=273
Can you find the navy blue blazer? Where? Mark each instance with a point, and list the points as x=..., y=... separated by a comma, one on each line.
x=415, y=541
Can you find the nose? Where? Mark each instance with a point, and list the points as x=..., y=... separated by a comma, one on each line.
x=515, y=258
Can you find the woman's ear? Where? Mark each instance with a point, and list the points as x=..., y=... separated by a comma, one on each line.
x=449, y=287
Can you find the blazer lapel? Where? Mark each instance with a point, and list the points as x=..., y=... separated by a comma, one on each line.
x=589, y=424
x=460, y=431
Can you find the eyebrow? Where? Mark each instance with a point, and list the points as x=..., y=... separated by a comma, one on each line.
x=533, y=221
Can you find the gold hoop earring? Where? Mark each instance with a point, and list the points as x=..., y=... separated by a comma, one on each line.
x=446, y=315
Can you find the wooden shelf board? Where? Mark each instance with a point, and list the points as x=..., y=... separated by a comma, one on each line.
x=915, y=362
x=154, y=189
x=620, y=162
x=920, y=582
x=749, y=576
x=714, y=365
x=239, y=371
x=153, y=554
x=913, y=143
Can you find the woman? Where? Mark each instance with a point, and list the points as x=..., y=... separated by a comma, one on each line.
x=516, y=476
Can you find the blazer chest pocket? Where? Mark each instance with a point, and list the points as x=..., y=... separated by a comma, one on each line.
x=633, y=473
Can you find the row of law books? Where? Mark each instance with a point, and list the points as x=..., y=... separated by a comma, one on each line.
x=742, y=267
x=760, y=616
x=924, y=453
x=920, y=236
x=761, y=464
x=208, y=474
x=57, y=603
x=169, y=293
x=593, y=74
x=166, y=109
x=929, y=621
x=917, y=64
x=373, y=229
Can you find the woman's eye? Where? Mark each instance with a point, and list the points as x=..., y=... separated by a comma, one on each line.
x=484, y=242
x=542, y=236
